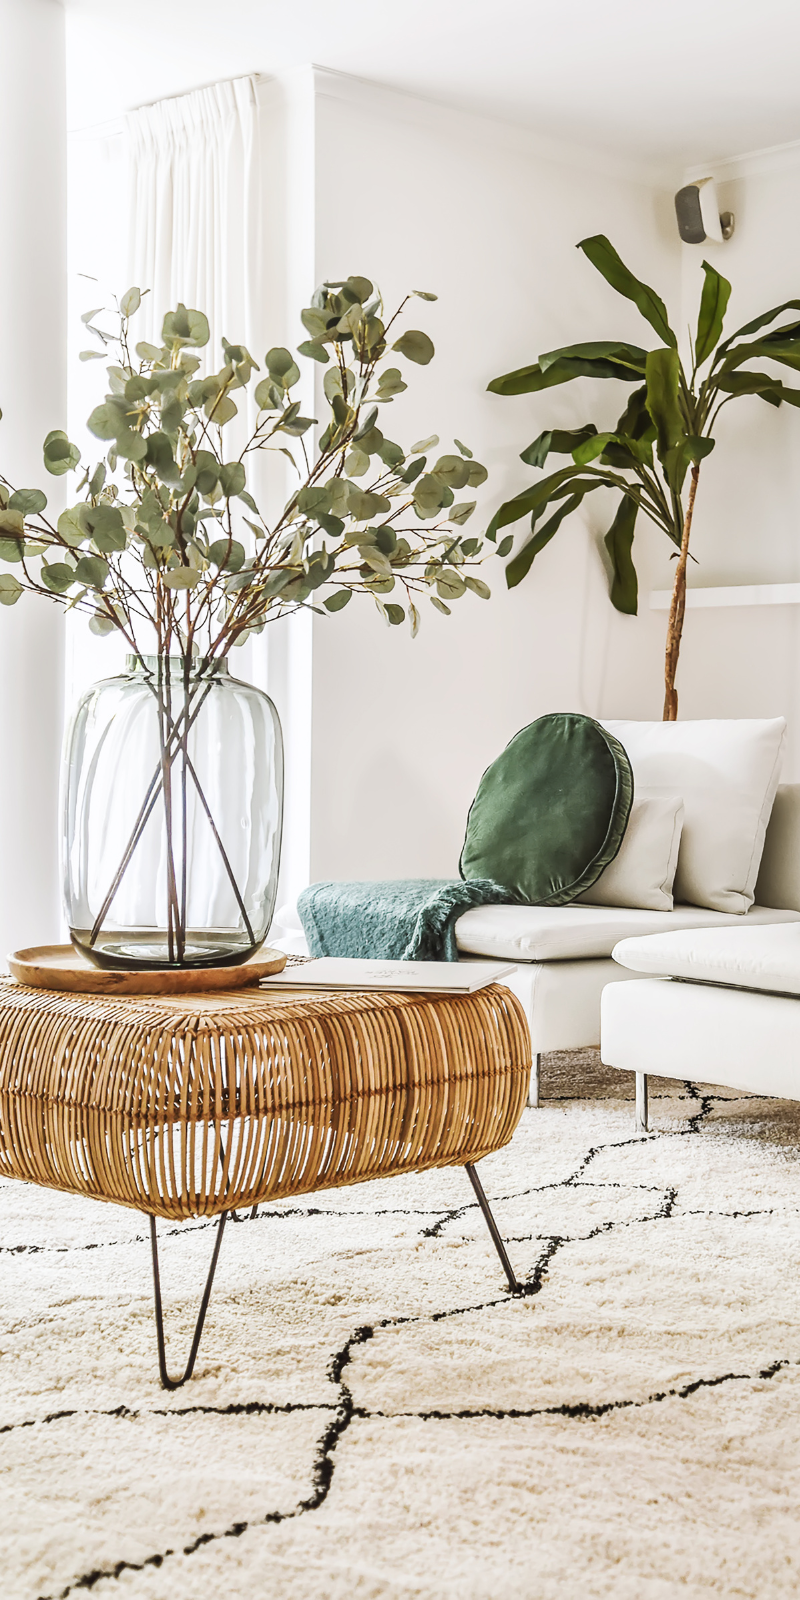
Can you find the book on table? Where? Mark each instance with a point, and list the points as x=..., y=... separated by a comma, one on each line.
x=414, y=977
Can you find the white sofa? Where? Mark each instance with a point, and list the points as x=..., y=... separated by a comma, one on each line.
x=562, y=954
x=716, y=1005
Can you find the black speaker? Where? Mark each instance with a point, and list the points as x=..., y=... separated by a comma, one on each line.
x=698, y=214
x=689, y=215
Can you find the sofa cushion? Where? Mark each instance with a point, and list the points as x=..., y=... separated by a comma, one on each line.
x=727, y=772
x=551, y=811
x=745, y=957
x=643, y=871
x=569, y=933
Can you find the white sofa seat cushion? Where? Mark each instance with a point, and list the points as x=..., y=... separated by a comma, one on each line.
x=744, y=957
x=577, y=932
x=727, y=772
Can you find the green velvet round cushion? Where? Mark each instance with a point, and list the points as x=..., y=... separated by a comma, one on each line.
x=550, y=813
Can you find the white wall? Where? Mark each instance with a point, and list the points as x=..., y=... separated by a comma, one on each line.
x=415, y=196
x=33, y=400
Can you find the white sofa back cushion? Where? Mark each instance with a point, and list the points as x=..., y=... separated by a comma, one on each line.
x=643, y=870
x=727, y=773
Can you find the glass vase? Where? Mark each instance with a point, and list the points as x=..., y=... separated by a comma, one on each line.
x=173, y=802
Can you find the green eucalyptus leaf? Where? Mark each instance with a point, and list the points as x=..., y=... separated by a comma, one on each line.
x=227, y=554
x=463, y=449
x=424, y=294
x=72, y=525
x=356, y=463
x=461, y=513
x=232, y=478
x=92, y=570
x=221, y=409
x=105, y=525
x=101, y=625
x=282, y=367
x=395, y=614
x=317, y=352
x=182, y=578
x=97, y=480
x=130, y=302
x=453, y=471
x=159, y=456
x=363, y=505
x=185, y=327
x=440, y=606
x=390, y=383
x=478, y=587
x=505, y=545
x=413, y=470
x=91, y=355
x=415, y=346
x=476, y=474
x=28, y=501
x=57, y=576
x=10, y=589
x=59, y=455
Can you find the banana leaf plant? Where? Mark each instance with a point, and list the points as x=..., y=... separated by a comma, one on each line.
x=664, y=433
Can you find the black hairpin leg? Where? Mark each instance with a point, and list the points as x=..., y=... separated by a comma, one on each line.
x=513, y=1281
x=166, y=1381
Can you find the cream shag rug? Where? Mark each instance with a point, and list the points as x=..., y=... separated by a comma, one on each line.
x=375, y=1416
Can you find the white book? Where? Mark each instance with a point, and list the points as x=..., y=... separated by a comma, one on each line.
x=415, y=977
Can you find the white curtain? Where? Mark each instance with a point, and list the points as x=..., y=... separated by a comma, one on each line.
x=195, y=223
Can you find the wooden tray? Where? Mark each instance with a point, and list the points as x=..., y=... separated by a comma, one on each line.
x=59, y=966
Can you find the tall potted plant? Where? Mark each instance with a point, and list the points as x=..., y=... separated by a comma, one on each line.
x=173, y=781
x=664, y=433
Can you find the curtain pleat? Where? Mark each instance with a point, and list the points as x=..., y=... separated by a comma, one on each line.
x=195, y=224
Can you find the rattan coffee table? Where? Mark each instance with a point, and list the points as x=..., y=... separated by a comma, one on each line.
x=194, y=1106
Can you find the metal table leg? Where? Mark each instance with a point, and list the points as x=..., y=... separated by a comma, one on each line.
x=166, y=1381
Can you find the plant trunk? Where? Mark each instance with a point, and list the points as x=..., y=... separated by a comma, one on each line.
x=677, y=609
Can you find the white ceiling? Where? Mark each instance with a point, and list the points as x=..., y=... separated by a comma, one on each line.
x=674, y=83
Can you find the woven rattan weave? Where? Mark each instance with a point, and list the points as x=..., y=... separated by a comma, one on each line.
x=196, y=1105
x=187, y=1107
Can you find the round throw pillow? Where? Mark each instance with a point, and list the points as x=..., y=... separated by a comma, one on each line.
x=550, y=813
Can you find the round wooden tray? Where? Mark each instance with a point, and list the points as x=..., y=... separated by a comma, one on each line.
x=59, y=966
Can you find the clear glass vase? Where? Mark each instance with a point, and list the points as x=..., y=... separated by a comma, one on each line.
x=173, y=803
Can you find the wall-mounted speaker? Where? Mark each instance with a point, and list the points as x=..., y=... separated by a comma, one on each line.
x=698, y=214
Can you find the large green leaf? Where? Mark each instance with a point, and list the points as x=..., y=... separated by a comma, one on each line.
x=556, y=441
x=787, y=352
x=713, y=305
x=760, y=383
x=626, y=355
x=522, y=562
x=618, y=542
x=663, y=378
x=760, y=322
x=603, y=256
x=530, y=500
x=530, y=380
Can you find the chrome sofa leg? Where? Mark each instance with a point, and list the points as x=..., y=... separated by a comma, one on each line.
x=533, y=1092
x=642, y=1116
